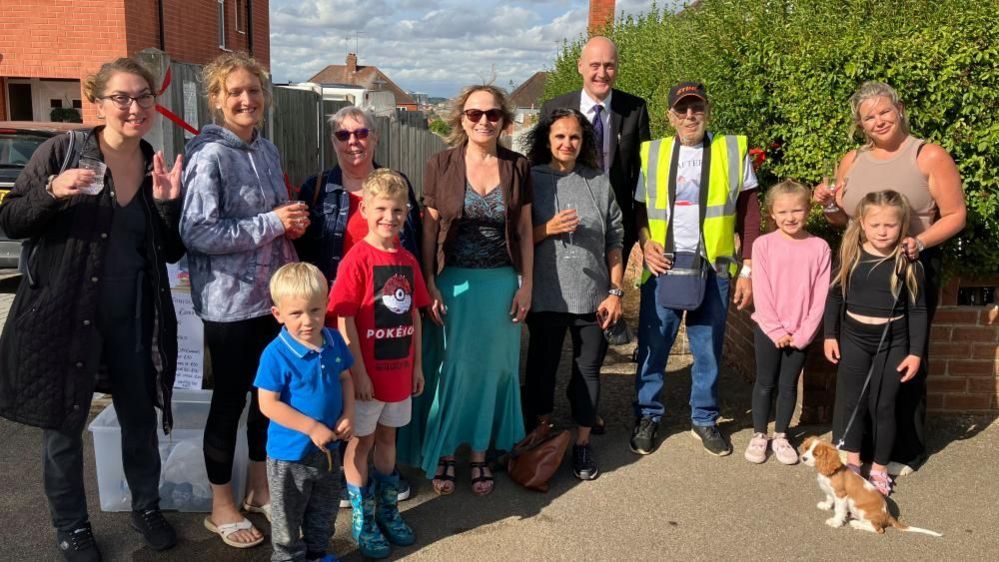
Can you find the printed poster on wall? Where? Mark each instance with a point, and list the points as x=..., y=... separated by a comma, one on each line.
x=190, y=330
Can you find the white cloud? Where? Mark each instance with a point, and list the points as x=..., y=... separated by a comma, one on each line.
x=434, y=46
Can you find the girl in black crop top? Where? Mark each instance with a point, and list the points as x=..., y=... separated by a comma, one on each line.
x=876, y=291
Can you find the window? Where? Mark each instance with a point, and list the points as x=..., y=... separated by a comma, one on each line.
x=241, y=22
x=55, y=104
x=222, y=25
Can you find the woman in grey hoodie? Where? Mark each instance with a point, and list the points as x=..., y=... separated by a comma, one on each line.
x=578, y=236
x=237, y=226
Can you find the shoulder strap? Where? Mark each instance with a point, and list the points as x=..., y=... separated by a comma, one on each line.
x=74, y=149
x=702, y=206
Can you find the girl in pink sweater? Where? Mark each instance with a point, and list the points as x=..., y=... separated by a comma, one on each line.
x=790, y=284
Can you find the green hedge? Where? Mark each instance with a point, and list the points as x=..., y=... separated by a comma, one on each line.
x=781, y=71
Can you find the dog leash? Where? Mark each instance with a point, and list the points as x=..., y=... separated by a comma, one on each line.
x=870, y=372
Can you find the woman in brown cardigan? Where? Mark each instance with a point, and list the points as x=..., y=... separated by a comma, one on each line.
x=478, y=260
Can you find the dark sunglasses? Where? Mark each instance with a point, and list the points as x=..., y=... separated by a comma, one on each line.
x=343, y=135
x=474, y=115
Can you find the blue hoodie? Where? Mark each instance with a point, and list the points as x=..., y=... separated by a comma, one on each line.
x=235, y=241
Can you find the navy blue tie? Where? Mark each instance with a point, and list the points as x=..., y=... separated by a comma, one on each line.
x=598, y=129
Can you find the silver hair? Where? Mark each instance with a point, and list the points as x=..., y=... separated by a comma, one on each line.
x=363, y=115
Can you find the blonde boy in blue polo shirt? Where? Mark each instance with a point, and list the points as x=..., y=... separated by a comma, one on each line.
x=306, y=391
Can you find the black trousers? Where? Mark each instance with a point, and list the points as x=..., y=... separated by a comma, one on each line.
x=235, y=349
x=858, y=346
x=910, y=405
x=125, y=350
x=547, y=332
x=780, y=368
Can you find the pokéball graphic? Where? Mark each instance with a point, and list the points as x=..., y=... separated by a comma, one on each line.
x=397, y=295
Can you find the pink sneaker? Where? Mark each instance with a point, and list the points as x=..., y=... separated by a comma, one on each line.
x=784, y=450
x=756, y=452
x=881, y=481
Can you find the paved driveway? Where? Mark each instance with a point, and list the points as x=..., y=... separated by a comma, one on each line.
x=677, y=504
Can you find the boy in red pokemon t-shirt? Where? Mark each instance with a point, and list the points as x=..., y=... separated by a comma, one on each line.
x=375, y=299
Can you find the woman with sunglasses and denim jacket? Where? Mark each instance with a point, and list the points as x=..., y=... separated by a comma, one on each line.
x=478, y=260
x=335, y=225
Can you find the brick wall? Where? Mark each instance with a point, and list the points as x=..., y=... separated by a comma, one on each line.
x=72, y=38
x=964, y=364
x=601, y=16
x=191, y=28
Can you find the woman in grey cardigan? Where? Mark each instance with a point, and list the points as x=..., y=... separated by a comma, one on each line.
x=578, y=269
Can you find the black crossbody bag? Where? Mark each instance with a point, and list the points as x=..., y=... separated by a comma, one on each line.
x=683, y=286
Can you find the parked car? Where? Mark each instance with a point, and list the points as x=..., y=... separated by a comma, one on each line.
x=18, y=141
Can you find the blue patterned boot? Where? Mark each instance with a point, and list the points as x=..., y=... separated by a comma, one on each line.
x=363, y=527
x=387, y=513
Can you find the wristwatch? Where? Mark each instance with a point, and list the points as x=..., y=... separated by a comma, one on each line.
x=746, y=272
x=615, y=291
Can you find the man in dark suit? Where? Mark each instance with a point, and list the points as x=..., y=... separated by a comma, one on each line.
x=620, y=119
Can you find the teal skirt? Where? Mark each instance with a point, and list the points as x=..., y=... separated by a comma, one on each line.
x=477, y=396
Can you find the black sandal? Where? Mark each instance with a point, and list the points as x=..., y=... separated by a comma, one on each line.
x=446, y=465
x=483, y=467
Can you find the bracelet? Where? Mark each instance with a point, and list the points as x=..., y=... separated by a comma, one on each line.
x=919, y=244
x=615, y=291
x=48, y=186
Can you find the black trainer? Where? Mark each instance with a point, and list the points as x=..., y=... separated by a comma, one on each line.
x=78, y=545
x=712, y=438
x=583, y=465
x=155, y=529
x=643, y=437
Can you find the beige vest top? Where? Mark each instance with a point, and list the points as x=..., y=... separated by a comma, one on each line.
x=899, y=173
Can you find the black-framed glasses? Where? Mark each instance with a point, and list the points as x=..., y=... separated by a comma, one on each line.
x=474, y=115
x=122, y=101
x=343, y=135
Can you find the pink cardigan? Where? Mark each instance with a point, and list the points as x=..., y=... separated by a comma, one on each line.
x=790, y=284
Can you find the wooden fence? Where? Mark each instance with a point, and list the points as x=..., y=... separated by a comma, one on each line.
x=296, y=124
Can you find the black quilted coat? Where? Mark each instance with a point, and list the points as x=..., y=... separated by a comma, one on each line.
x=50, y=359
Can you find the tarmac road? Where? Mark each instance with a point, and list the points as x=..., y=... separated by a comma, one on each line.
x=679, y=503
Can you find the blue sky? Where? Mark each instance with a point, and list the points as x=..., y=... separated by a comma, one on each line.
x=432, y=46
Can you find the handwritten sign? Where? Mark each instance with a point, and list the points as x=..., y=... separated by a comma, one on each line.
x=190, y=330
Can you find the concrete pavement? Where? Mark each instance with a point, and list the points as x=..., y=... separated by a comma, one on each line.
x=678, y=503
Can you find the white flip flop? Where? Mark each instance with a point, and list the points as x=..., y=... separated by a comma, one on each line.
x=229, y=528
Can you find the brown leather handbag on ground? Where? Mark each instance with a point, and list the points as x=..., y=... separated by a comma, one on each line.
x=535, y=459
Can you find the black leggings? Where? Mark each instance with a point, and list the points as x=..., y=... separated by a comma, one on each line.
x=858, y=346
x=547, y=331
x=778, y=367
x=235, y=349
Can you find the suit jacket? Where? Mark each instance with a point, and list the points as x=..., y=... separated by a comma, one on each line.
x=629, y=128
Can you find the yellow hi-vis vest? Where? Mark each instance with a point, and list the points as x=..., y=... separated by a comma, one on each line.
x=728, y=160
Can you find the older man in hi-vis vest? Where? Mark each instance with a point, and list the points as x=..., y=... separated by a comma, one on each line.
x=697, y=190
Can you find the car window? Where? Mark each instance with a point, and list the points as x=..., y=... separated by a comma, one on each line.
x=16, y=149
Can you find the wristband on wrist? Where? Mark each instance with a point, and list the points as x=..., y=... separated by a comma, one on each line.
x=48, y=186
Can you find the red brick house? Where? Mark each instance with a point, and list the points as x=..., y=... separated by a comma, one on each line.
x=48, y=46
x=368, y=77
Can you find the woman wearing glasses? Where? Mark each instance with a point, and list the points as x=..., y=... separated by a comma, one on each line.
x=478, y=262
x=238, y=226
x=335, y=225
x=93, y=310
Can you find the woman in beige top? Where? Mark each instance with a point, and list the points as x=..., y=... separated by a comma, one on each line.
x=926, y=174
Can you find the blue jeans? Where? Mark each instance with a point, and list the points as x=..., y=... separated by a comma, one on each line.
x=657, y=328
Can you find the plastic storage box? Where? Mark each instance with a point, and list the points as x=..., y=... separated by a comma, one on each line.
x=183, y=480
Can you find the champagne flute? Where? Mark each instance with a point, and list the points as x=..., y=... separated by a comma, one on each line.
x=570, y=207
x=830, y=181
